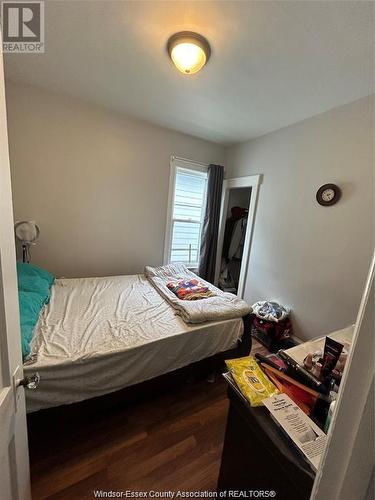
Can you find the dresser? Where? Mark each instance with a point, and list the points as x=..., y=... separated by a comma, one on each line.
x=258, y=456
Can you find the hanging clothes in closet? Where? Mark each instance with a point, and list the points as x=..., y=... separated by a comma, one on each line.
x=234, y=238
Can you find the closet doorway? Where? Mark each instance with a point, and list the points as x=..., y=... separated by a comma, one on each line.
x=235, y=234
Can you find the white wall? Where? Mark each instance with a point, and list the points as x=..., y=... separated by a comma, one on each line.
x=310, y=257
x=95, y=182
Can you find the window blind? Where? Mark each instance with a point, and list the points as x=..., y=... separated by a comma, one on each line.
x=188, y=212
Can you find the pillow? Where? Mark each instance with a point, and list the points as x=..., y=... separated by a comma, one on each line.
x=31, y=304
x=34, y=285
x=24, y=269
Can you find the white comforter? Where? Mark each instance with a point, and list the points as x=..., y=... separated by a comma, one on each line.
x=220, y=307
x=98, y=335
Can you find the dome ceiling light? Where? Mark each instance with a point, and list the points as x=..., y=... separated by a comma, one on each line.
x=189, y=51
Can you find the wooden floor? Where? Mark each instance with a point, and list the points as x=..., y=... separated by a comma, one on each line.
x=171, y=441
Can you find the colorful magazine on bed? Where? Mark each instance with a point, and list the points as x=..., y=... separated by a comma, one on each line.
x=191, y=289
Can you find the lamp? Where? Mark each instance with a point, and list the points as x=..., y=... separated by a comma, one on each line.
x=27, y=232
x=189, y=51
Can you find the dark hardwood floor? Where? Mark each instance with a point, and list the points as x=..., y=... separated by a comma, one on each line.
x=170, y=441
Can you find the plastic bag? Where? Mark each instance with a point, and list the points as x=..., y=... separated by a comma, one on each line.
x=270, y=311
x=250, y=379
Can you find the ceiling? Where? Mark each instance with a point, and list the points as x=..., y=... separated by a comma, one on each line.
x=272, y=64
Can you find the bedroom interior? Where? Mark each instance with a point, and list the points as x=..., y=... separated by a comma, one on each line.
x=187, y=249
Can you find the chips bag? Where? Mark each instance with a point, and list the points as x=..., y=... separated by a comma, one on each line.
x=251, y=380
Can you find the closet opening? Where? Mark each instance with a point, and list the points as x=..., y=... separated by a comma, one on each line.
x=236, y=227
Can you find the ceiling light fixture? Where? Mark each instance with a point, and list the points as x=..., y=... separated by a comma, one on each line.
x=189, y=51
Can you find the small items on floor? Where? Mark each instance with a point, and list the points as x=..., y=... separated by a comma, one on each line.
x=271, y=325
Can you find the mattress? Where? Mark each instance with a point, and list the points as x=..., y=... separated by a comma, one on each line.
x=98, y=335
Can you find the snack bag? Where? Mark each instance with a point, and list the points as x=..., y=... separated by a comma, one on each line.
x=252, y=382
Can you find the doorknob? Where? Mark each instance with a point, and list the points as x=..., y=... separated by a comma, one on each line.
x=30, y=382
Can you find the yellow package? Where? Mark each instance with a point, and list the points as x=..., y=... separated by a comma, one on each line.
x=252, y=382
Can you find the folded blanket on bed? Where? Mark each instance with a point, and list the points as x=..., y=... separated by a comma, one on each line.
x=190, y=289
x=219, y=307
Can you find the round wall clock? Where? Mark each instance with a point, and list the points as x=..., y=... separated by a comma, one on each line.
x=328, y=194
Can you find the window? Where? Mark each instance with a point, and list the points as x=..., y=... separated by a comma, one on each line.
x=188, y=199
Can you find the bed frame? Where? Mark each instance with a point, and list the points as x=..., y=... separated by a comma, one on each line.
x=152, y=387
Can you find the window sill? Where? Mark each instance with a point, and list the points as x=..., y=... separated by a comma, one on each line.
x=193, y=269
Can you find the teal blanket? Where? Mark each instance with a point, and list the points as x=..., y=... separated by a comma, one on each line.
x=34, y=286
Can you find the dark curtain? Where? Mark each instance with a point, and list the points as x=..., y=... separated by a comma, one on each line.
x=210, y=229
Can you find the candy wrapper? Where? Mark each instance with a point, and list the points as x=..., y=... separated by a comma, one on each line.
x=250, y=379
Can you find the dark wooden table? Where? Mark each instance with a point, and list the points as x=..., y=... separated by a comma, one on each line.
x=257, y=455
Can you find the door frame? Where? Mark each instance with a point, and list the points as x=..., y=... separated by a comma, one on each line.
x=344, y=450
x=14, y=456
x=249, y=181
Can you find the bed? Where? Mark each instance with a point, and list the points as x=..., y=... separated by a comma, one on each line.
x=99, y=335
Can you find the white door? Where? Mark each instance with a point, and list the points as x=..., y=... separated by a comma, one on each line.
x=348, y=461
x=14, y=455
